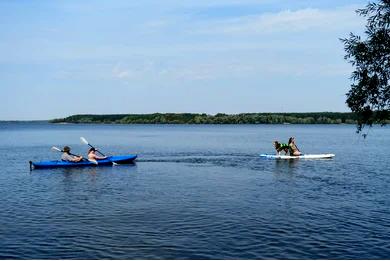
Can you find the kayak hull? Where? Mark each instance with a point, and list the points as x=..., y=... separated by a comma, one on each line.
x=109, y=161
x=304, y=156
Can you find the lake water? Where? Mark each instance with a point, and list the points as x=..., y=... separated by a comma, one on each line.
x=196, y=192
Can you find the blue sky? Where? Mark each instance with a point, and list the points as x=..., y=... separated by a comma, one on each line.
x=59, y=58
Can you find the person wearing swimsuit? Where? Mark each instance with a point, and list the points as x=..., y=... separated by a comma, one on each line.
x=294, y=151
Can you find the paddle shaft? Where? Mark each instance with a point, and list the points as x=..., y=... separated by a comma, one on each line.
x=96, y=150
x=72, y=154
x=83, y=159
x=60, y=150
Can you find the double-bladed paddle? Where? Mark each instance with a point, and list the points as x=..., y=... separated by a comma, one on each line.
x=83, y=140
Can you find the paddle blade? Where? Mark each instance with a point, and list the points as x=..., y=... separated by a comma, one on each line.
x=83, y=140
x=56, y=149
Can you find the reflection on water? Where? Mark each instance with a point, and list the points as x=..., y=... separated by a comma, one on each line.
x=286, y=164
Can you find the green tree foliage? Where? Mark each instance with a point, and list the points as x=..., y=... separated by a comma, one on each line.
x=220, y=118
x=369, y=96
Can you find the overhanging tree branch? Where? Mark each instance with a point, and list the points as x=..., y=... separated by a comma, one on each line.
x=369, y=96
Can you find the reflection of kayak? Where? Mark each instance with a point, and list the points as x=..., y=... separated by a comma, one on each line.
x=303, y=156
x=128, y=159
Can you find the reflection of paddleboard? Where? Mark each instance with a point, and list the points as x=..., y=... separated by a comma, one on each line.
x=303, y=156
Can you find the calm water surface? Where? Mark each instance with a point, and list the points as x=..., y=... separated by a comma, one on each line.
x=196, y=192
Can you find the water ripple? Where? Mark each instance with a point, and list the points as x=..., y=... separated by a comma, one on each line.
x=205, y=197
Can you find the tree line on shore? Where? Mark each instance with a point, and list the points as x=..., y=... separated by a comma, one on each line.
x=219, y=118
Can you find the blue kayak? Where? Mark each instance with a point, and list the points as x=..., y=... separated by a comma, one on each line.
x=109, y=161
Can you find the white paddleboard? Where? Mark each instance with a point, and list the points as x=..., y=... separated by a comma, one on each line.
x=303, y=156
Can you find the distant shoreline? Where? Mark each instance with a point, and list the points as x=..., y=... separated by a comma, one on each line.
x=24, y=121
x=219, y=118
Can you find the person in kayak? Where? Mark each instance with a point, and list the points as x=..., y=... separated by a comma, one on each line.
x=294, y=151
x=92, y=155
x=67, y=156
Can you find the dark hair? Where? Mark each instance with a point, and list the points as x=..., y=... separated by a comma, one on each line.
x=66, y=149
x=91, y=149
x=290, y=140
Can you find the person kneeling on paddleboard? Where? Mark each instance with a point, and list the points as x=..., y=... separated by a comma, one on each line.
x=92, y=155
x=67, y=156
x=294, y=151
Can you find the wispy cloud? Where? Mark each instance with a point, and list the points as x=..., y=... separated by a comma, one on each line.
x=119, y=72
x=286, y=21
